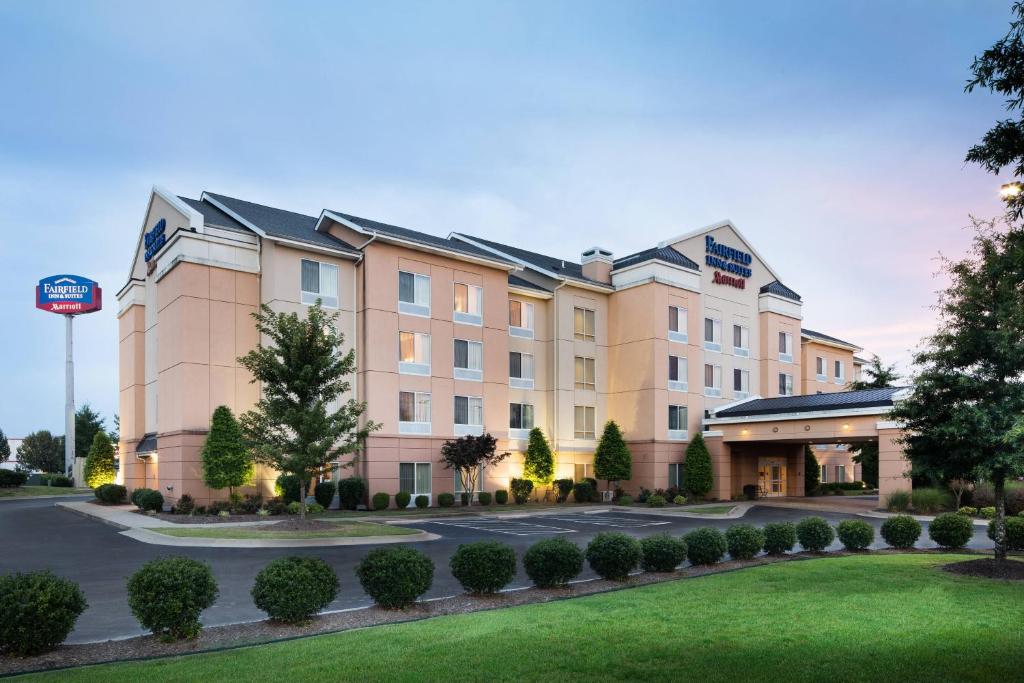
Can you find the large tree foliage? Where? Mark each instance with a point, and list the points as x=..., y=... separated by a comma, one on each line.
x=698, y=475
x=467, y=455
x=612, y=459
x=42, y=451
x=297, y=427
x=99, y=464
x=968, y=396
x=539, y=464
x=875, y=375
x=5, y=448
x=87, y=423
x=227, y=462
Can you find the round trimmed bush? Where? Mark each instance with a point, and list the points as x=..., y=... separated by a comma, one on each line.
x=662, y=553
x=583, y=492
x=968, y=511
x=39, y=610
x=324, y=493
x=855, y=534
x=901, y=531
x=744, y=541
x=987, y=512
x=484, y=567
x=613, y=555
x=779, y=537
x=553, y=562
x=951, y=530
x=501, y=497
x=314, y=508
x=1014, y=532
x=446, y=500
x=625, y=500
x=61, y=481
x=12, y=478
x=136, y=496
x=151, y=500
x=706, y=545
x=484, y=498
x=422, y=501
x=381, y=501
x=395, y=577
x=814, y=534
x=186, y=505
x=294, y=589
x=287, y=486
x=521, y=490
x=351, y=492
x=111, y=494
x=679, y=500
x=168, y=595
x=402, y=499
x=656, y=501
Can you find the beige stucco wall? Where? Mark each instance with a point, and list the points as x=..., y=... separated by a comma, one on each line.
x=810, y=351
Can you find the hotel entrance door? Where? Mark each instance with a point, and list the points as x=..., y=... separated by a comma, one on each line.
x=772, y=477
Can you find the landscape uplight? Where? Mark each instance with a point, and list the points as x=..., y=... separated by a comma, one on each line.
x=1011, y=190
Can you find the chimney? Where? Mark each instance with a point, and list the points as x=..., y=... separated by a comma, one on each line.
x=597, y=264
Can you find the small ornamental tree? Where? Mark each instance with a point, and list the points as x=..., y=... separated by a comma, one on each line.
x=226, y=460
x=539, y=464
x=99, y=465
x=467, y=454
x=812, y=471
x=698, y=477
x=612, y=459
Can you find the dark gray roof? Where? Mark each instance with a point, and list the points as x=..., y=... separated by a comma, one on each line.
x=516, y=281
x=825, y=337
x=214, y=217
x=840, y=400
x=549, y=263
x=283, y=224
x=666, y=254
x=779, y=289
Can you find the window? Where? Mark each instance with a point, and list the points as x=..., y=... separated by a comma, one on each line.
x=469, y=359
x=583, y=323
x=785, y=347
x=741, y=340
x=677, y=328
x=741, y=383
x=479, y=482
x=584, y=422
x=785, y=384
x=469, y=415
x=819, y=369
x=585, y=374
x=840, y=473
x=520, y=319
x=468, y=304
x=678, y=374
x=840, y=373
x=824, y=474
x=414, y=478
x=413, y=353
x=414, y=294
x=582, y=471
x=520, y=370
x=319, y=281
x=413, y=412
x=677, y=425
x=520, y=420
x=712, y=380
x=675, y=475
x=712, y=334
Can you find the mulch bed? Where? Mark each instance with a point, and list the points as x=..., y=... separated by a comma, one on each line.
x=206, y=519
x=988, y=569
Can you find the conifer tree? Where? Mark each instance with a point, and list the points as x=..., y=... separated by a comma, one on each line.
x=227, y=463
x=812, y=470
x=99, y=465
x=698, y=476
x=612, y=459
x=539, y=465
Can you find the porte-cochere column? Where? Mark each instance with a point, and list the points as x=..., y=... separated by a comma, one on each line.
x=893, y=466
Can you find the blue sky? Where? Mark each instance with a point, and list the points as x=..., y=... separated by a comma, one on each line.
x=832, y=133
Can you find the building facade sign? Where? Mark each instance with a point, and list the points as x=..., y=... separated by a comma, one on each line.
x=155, y=239
x=734, y=262
x=68, y=295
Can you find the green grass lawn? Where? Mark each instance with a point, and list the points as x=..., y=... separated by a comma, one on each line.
x=711, y=510
x=34, y=491
x=330, y=530
x=868, y=618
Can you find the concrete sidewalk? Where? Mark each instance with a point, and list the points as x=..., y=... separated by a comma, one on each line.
x=125, y=517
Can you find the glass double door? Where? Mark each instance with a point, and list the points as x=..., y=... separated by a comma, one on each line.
x=771, y=476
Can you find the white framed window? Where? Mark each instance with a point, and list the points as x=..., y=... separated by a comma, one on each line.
x=712, y=380
x=583, y=418
x=319, y=281
x=582, y=470
x=584, y=323
x=585, y=374
x=413, y=412
x=520, y=420
x=520, y=370
x=469, y=360
x=479, y=482
x=413, y=353
x=823, y=477
x=712, y=334
x=520, y=319
x=414, y=478
x=840, y=473
x=678, y=373
x=414, y=293
x=677, y=423
x=785, y=347
x=819, y=369
x=469, y=304
x=740, y=383
x=840, y=372
x=675, y=475
x=785, y=384
x=469, y=415
x=741, y=340
x=677, y=327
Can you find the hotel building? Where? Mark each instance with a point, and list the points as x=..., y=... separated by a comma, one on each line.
x=462, y=335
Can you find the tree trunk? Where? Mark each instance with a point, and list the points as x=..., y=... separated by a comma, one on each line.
x=998, y=483
x=302, y=500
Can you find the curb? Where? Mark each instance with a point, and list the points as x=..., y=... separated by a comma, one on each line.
x=156, y=538
x=920, y=518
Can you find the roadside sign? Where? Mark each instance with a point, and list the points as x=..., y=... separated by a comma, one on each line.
x=68, y=295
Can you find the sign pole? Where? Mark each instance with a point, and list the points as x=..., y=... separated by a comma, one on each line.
x=69, y=397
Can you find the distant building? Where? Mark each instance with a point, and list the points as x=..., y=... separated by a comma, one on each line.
x=11, y=462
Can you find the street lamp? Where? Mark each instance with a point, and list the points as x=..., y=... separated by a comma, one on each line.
x=1011, y=190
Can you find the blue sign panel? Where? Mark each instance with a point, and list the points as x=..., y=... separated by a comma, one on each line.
x=68, y=294
x=155, y=239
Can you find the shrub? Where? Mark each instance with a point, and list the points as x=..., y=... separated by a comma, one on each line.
x=1014, y=532
x=249, y=505
x=168, y=595
x=984, y=496
x=679, y=500
x=613, y=554
x=12, y=478
x=563, y=488
x=698, y=475
x=287, y=486
x=446, y=500
x=898, y=501
x=750, y=492
x=484, y=567
x=779, y=537
x=186, y=505
x=314, y=509
x=381, y=500
x=553, y=562
x=656, y=501
x=60, y=481
x=293, y=508
x=150, y=500
x=293, y=589
x=484, y=498
x=583, y=492
x=501, y=497
x=422, y=501
x=219, y=506
x=39, y=610
x=744, y=541
x=394, y=577
x=901, y=531
x=324, y=493
x=930, y=500
x=814, y=533
x=111, y=494
x=706, y=545
x=521, y=490
x=136, y=495
x=968, y=511
x=662, y=553
x=951, y=530
x=351, y=492
x=625, y=500
x=855, y=534
x=987, y=512
x=275, y=506
x=402, y=499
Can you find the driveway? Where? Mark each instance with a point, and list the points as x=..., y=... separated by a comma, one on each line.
x=38, y=535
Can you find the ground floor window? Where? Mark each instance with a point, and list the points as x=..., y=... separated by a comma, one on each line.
x=479, y=481
x=582, y=471
x=824, y=474
x=414, y=478
x=840, y=472
x=675, y=474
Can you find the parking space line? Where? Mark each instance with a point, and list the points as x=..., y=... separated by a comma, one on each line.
x=507, y=527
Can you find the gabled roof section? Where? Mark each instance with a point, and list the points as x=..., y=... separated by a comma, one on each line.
x=546, y=265
x=715, y=226
x=664, y=254
x=818, y=336
x=785, y=405
x=214, y=217
x=516, y=281
x=778, y=289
